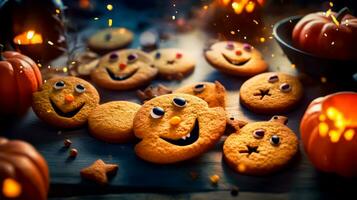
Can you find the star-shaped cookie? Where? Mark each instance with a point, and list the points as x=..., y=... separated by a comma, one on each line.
x=98, y=171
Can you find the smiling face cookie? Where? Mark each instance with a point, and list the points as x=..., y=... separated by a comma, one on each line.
x=236, y=58
x=177, y=127
x=213, y=93
x=271, y=92
x=123, y=70
x=260, y=148
x=110, y=39
x=65, y=102
x=173, y=64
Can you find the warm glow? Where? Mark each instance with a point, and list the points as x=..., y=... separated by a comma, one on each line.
x=250, y=7
x=241, y=167
x=323, y=129
x=110, y=22
x=29, y=37
x=349, y=134
x=225, y=2
x=84, y=4
x=334, y=136
x=11, y=188
x=237, y=7
x=110, y=7
x=322, y=117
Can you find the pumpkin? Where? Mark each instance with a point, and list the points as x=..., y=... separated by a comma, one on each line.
x=329, y=133
x=19, y=78
x=327, y=34
x=23, y=171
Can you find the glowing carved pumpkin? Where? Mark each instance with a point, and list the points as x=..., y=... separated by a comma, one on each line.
x=23, y=172
x=240, y=6
x=329, y=133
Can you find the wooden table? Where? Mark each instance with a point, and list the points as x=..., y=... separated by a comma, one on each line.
x=141, y=180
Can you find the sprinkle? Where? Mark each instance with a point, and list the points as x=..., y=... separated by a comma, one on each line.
x=262, y=39
x=109, y=7
x=173, y=17
x=65, y=69
x=232, y=32
x=335, y=20
x=331, y=4
x=73, y=153
x=50, y=43
x=333, y=43
x=325, y=34
x=214, y=179
x=110, y=22
x=58, y=11
x=255, y=21
x=96, y=18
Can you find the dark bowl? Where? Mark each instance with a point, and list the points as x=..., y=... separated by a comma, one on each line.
x=333, y=69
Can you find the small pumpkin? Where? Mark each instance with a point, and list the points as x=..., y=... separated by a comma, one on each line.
x=327, y=34
x=19, y=78
x=23, y=171
x=329, y=133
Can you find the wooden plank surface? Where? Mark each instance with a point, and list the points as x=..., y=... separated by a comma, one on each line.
x=299, y=180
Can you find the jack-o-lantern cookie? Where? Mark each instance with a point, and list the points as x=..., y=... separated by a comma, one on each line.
x=271, y=92
x=173, y=64
x=236, y=58
x=113, y=121
x=177, y=127
x=65, y=102
x=261, y=148
x=110, y=39
x=213, y=93
x=124, y=70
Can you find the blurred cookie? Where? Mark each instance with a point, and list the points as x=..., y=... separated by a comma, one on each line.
x=124, y=70
x=173, y=64
x=84, y=63
x=177, y=127
x=213, y=93
x=236, y=58
x=65, y=102
x=271, y=92
x=110, y=39
x=261, y=148
x=113, y=121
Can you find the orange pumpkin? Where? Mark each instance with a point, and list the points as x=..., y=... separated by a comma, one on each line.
x=327, y=34
x=19, y=78
x=23, y=171
x=329, y=133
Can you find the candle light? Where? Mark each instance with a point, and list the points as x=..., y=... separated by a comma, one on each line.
x=28, y=38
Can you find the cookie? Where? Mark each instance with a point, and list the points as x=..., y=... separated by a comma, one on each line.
x=271, y=92
x=261, y=148
x=124, y=70
x=173, y=64
x=65, y=102
x=99, y=171
x=234, y=58
x=110, y=39
x=113, y=121
x=83, y=63
x=177, y=127
x=213, y=93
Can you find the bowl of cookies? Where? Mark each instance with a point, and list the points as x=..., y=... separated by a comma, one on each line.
x=321, y=44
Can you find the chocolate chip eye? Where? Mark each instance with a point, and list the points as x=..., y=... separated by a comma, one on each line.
x=157, y=55
x=275, y=140
x=247, y=47
x=80, y=88
x=259, y=133
x=157, y=112
x=132, y=57
x=113, y=57
x=199, y=88
x=230, y=46
x=179, y=102
x=273, y=78
x=59, y=85
x=285, y=87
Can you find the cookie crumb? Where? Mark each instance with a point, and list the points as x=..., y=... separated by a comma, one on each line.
x=214, y=179
x=73, y=153
x=98, y=171
x=67, y=142
x=234, y=190
x=152, y=92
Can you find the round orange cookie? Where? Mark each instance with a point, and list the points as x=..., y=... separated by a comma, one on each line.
x=213, y=93
x=65, y=102
x=271, y=92
x=260, y=148
x=124, y=70
x=177, y=127
x=236, y=58
x=113, y=121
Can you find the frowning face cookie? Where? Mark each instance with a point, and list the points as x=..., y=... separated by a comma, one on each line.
x=123, y=70
x=236, y=58
x=176, y=127
x=261, y=148
x=173, y=64
x=65, y=102
x=213, y=93
x=271, y=92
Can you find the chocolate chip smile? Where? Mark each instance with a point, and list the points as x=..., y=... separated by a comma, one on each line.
x=69, y=114
x=188, y=139
x=237, y=63
x=120, y=78
x=250, y=150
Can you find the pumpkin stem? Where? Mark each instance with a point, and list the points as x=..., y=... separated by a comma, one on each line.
x=344, y=11
x=1, y=50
